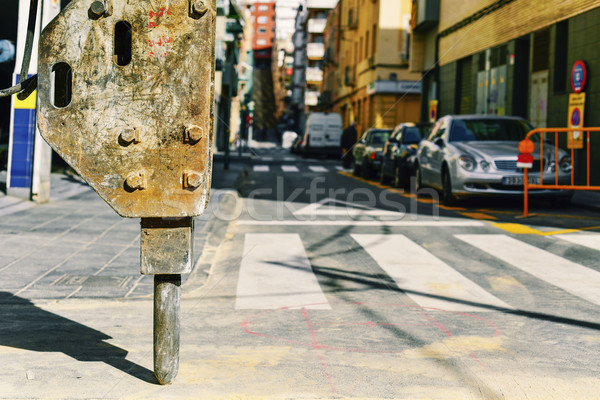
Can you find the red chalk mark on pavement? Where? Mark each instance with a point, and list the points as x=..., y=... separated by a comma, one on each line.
x=317, y=347
x=247, y=324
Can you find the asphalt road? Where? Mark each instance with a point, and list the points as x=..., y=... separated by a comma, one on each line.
x=313, y=283
x=357, y=290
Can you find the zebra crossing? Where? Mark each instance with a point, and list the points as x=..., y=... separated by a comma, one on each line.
x=295, y=168
x=275, y=271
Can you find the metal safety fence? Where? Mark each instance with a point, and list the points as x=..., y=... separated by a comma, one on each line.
x=555, y=168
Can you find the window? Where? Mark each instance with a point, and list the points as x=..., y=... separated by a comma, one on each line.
x=263, y=7
x=262, y=30
x=261, y=42
x=262, y=19
x=560, y=56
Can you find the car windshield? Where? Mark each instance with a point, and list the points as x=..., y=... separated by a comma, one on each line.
x=467, y=130
x=411, y=135
x=378, y=137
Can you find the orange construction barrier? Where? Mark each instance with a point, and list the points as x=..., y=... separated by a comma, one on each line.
x=527, y=147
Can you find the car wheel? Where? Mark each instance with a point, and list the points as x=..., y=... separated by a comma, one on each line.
x=448, y=198
x=356, y=169
x=365, y=170
x=417, y=184
x=383, y=179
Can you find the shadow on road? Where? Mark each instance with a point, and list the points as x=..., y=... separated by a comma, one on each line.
x=25, y=326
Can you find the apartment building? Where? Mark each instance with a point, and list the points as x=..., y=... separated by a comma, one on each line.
x=373, y=83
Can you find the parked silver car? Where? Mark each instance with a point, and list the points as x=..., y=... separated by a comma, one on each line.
x=473, y=155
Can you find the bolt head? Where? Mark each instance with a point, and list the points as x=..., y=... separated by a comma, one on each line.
x=194, y=133
x=97, y=8
x=128, y=135
x=135, y=181
x=193, y=179
x=199, y=7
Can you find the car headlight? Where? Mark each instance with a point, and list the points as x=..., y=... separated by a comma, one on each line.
x=467, y=163
x=565, y=164
x=484, y=165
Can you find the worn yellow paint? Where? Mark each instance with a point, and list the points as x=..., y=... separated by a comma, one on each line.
x=504, y=283
x=443, y=207
x=457, y=346
x=476, y=215
x=518, y=229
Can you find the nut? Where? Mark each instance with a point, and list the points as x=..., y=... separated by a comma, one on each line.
x=135, y=181
x=192, y=179
x=193, y=133
x=97, y=9
x=199, y=7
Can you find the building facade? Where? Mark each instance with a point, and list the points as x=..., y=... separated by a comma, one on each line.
x=374, y=86
x=508, y=57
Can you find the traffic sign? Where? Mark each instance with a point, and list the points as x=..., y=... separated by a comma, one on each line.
x=575, y=120
x=578, y=76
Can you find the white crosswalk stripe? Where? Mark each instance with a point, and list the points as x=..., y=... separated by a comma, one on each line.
x=289, y=168
x=275, y=272
x=572, y=277
x=590, y=240
x=318, y=168
x=260, y=168
x=425, y=278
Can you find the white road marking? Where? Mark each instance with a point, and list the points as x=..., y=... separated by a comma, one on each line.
x=590, y=240
x=290, y=159
x=426, y=279
x=275, y=272
x=572, y=277
x=266, y=158
x=317, y=168
x=334, y=207
x=379, y=223
x=260, y=168
x=289, y=168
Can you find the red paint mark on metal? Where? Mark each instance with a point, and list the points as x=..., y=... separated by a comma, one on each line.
x=317, y=347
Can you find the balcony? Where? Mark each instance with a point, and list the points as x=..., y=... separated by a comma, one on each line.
x=427, y=15
x=315, y=51
x=311, y=98
x=316, y=25
x=314, y=75
x=350, y=76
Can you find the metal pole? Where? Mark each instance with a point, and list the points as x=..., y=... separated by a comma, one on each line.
x=167, y=304
x=525, y=192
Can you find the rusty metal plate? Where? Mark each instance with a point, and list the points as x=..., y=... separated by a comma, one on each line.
x=126, y=93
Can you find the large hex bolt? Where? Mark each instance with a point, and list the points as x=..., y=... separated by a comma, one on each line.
x=130, y=135
x=199, y=8
x=135, y=181
x=193, y=133
x=192, y=179
x=97, y=9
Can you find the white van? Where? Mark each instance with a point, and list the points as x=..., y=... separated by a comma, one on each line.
x=323, y=134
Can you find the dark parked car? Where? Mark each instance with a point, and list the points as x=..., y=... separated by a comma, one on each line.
x=367, y=152
x=399, y=153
